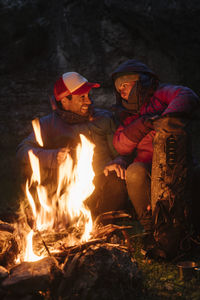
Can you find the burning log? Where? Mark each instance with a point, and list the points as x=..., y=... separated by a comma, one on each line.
x=101, y=234
x=4, y=226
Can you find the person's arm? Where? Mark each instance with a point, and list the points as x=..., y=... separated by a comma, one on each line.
x=179, y=100
x=126, y=138
x=102, y=129
x=48, y=158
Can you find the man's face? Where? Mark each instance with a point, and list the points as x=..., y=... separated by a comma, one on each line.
x=79, y=104
x=125, y=88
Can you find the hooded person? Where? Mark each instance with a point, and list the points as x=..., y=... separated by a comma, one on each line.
x=73, y=113
x=144, y=107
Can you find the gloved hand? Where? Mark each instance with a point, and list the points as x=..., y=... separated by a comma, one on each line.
x=149, y=122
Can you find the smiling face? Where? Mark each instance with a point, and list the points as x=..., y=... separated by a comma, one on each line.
x=79, y=104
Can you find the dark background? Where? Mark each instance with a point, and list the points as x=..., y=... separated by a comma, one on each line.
x=42, y=39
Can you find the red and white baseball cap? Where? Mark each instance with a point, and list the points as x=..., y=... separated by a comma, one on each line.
x=72, y=83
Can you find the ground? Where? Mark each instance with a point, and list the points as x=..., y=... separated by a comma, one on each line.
x=161, y=278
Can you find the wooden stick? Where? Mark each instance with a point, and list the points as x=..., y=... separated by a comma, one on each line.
x=43, y=242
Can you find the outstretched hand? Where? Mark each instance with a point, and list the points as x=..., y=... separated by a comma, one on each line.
x=118, y=166
x=120, y=171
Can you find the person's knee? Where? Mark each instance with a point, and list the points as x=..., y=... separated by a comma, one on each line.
x=136, y=173
x=138, y=186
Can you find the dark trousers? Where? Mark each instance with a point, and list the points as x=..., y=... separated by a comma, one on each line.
x=138, y=182
x=110, y=194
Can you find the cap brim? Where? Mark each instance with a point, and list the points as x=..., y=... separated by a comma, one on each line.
x=85, y=88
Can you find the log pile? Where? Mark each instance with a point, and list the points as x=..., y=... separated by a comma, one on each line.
x=102, y=268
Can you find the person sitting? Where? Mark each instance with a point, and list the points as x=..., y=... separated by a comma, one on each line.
x=144, y=106
x=74, y=114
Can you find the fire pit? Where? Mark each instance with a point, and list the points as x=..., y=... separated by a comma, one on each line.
x=102, y=268
x=55, y=250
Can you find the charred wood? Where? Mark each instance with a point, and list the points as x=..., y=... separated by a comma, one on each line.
x=111, y=215
x=4, y=226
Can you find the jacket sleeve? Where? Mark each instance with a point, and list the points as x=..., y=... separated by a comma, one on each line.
x=178, y=99
x=102, y=130
x=47, y=157
x=126, y=139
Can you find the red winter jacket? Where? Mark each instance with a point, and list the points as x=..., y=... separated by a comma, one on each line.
x=135, y=133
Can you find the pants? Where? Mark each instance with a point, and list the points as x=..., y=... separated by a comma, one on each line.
x=110, y=194
x=138, y=183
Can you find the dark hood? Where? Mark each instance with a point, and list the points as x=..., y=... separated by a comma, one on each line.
x=133, y=66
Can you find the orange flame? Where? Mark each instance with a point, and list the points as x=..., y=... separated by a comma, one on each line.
x=37, y=131
x=75, y=185
x=29, y=254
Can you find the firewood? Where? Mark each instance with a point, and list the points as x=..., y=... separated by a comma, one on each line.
x=100, y=232
x=67, y=251
x=4, y=226
x=110, y=215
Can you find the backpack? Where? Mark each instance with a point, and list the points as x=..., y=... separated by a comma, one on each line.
x=171, y=185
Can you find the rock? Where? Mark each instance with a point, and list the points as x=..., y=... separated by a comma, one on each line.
x=31, y=277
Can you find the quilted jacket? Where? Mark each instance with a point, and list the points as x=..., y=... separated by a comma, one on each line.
x=136, y=133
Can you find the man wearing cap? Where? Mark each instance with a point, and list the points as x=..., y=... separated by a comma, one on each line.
x=73, y=114
x=141, y=101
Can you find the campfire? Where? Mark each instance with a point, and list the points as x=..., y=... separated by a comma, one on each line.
x=55, y=250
